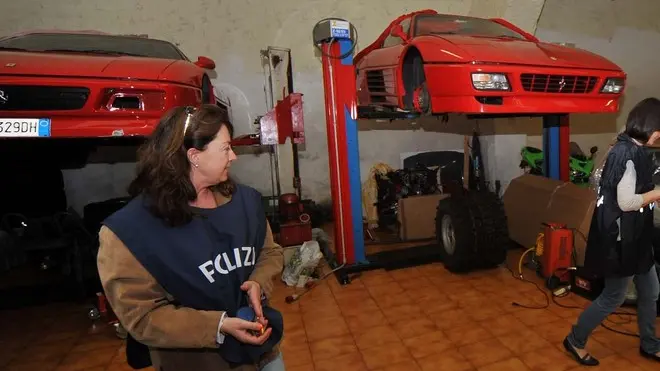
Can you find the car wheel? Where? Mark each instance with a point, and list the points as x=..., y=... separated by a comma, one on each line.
x=472, y=231
x=417, y=96
x=454, y=233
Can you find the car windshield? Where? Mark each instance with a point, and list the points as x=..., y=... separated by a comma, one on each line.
x=93, y=44
x=442, y=24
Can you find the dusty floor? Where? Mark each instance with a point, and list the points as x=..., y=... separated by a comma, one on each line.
x=421, y=318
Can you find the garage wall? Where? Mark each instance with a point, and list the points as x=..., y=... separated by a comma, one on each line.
x=233, y=33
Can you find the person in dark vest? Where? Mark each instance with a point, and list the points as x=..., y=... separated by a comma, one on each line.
x=620, y=241
x=192, y=253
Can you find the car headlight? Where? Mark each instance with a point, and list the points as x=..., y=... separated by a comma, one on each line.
x=490, y=81
x=613, y=85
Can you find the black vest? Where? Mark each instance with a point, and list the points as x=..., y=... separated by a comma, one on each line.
x=607, y=256
x=203, y=263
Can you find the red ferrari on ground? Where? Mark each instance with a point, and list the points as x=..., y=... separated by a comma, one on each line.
x=438, y=63
x=91, y=84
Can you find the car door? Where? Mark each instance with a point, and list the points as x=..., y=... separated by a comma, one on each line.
x=380, y=69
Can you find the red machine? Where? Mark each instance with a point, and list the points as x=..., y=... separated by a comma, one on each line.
x=282, y=122
x=557, y=252
x=295, y=225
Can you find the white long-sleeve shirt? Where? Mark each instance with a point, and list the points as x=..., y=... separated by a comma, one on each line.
x=626, y=197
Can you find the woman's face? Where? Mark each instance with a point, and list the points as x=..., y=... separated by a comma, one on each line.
x=213, y=163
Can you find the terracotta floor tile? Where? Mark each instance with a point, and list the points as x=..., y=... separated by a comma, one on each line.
x=322, y=328
x=617, y=362
x=419, y=283
x=309, y=367
x=427, y=344
x=30, y=366
x=375, y=278
x=404, y=310
x=408, y=365
x=616, y=341
x=426, y=296
x=481, y=310
x=438, y=305
x=473, y=333
x=450, y=360
x=485, y=352
x=646, y=364
x=452, y=319
x=354, y=307
x=49, y=352
x=361, y=322
x=347, y=362
x=296, y=353
x=551, y=359
x=555, y=331
x=503, y=324
x=536, y=317
x=511, y=364
x=524, y=341
x=379, y=336
x=82, y=360
x=380, y=357
x=107, y=339
x=406, y=274
x=332, y=347
x=415, y=327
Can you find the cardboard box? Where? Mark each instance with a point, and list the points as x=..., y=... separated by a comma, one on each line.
x=417, y=216
x=531, y=200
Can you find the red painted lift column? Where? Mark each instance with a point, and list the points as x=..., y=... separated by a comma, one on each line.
x=336, y=40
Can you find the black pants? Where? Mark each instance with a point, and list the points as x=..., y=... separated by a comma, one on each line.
x=137, y=354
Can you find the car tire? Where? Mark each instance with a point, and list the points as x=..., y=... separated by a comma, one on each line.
x=455, y=233
x=472, y=231
x=417, y=96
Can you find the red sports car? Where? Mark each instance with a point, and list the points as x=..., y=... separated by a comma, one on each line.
x=433, y=63
x=91, y=84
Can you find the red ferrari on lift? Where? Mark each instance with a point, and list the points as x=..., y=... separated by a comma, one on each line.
x=432, y=63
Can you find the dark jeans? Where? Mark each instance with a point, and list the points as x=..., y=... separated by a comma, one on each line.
x=613, y=295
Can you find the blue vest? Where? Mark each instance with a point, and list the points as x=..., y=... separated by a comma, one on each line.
x=203, y=263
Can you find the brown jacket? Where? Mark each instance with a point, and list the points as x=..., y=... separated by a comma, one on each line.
x=179, y=338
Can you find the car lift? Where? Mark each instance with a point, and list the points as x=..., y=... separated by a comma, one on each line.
x=336, y=39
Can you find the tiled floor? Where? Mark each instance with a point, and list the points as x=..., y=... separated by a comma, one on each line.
x=421, y=318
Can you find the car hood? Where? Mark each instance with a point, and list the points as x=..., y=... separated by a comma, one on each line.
x=76, y=65
x=509, y=51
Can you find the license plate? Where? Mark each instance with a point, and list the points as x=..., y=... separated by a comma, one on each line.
x=24, y=128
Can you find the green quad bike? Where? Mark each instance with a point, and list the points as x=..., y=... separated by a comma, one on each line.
x=580, y=165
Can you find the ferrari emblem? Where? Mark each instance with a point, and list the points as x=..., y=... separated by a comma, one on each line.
x=4, y=98
x=10, y=65
x=562, y=84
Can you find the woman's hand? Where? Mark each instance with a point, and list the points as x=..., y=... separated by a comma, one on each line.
x=253, y=290
x=241, y=329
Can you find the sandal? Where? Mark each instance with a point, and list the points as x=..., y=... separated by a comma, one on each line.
x=587, y=360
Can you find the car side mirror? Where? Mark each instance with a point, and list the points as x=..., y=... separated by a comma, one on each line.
x=593, y=149
x=205, y=62
x=397, y=31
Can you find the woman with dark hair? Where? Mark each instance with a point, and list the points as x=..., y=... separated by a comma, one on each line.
x=191, y=251
x=620, y=242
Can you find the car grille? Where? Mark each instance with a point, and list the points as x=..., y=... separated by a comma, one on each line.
x=542, y=83
x=42, y=98
x=376, y=84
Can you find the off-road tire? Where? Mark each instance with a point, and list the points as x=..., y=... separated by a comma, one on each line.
x=479, y=225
